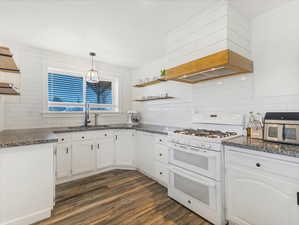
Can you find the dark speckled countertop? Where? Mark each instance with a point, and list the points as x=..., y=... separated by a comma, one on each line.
x=14, y=138
x=263, y=146
x=142, y=127
x=22, y=137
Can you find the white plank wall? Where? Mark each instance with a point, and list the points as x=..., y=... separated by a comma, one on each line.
x=274, y=86
x=27, y=111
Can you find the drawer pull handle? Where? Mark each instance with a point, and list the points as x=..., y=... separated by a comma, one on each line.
x=189, y=202
x=161, y=173
x=62, y=139
x=161, y=154
x=160, y=140
x=82, y=137
x=258, y=165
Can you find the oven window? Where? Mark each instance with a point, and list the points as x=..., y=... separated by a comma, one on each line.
x=192, y=188
x=290, y=133
x=191, y=159
x=273, y=132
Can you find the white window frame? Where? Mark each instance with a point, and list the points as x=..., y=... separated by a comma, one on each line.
x=115, y=96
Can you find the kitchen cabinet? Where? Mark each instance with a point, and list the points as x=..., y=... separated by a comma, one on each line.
x=162, y=172
x=83, y=157
x=105, y=152
x=146, y=153
x=26, y=181
x=124, y=148
x=257, y=191
x=63, y=160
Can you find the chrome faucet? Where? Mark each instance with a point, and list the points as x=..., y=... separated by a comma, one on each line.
x=86, y=114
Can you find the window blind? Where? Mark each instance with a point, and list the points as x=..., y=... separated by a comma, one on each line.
x=65, y=88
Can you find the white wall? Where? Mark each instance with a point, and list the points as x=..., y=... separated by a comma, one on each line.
x=27, y=111
x=274, y=86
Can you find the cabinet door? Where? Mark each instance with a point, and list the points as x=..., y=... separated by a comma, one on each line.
x=105, y=153
x=257, y=199
x=145, y=152
x=63, y=160
x=124, y=147
x=83, y=157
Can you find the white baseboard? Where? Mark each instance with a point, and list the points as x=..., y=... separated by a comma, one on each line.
x=29, y=219
x=120, y=167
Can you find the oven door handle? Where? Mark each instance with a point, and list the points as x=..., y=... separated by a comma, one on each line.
x=207, y=154
x=192, y=177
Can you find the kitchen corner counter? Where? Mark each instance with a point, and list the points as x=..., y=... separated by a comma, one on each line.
x=23, y=137
x=263, y=146
x=156, y=129
x=14, y=138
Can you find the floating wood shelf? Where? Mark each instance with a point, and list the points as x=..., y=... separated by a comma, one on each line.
x=7, y=63
x=153, y=99
x=150, y=83
x=8, y=89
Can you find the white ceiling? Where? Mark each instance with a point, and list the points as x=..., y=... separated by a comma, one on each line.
x=123, y=32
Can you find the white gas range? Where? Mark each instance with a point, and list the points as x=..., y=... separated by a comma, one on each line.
x=196, y=171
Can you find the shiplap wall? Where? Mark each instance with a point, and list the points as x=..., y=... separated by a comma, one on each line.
x=27, y=110
x=270, y=40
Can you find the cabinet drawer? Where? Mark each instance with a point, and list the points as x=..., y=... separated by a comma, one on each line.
x=103, y=134
x=162, y=153
x=161, y=140
x=81, y=136
x=260, y=163
x=162, y=173
x=63, y=138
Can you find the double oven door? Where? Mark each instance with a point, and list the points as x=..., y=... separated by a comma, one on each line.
x=194, y=180
x=198, y=160
x=198, y=193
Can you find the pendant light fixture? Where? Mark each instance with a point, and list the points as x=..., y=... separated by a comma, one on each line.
x=92, y=75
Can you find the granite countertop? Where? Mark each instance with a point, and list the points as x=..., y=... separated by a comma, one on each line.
x=22, y=137
x=157, y=129
x=14, y=138
x=263, y=146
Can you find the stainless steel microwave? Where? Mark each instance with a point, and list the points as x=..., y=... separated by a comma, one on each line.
x=282, y=127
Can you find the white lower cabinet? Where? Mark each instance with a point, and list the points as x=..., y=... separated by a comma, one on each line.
x=84, y=153
x=257, y=197
x=105, y=153
x=124, y=148
x=162, y=174
x=63, y=160
x=83, y=157
x=146, y=153
x=26, y=181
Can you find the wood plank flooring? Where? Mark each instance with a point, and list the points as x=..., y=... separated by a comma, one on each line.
x=118, y=197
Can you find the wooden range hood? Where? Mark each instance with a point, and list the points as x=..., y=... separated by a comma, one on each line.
x=220, y=64
x=7, y=63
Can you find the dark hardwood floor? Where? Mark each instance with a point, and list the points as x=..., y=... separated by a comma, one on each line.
x=118, y=197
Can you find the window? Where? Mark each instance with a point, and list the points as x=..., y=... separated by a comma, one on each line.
x=68, y=93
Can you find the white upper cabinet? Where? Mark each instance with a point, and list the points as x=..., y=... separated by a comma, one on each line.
x=146, y=153
x=105, y=152
x=83, y=157
x=63, y=160
x=125, y=148
x=257, y=197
